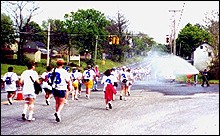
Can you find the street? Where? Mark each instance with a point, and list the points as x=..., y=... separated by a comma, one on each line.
x=152, y=109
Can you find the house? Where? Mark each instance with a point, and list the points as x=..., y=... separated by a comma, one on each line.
x=202, y=56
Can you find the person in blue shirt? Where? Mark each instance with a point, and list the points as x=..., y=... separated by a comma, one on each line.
x=205, y=78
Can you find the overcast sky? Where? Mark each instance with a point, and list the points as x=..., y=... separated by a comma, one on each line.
x=150, y=17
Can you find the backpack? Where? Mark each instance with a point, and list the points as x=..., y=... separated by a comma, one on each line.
x=8, y=80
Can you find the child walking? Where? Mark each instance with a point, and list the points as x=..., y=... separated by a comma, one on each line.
x=108, y=81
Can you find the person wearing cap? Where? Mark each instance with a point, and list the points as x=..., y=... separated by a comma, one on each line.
x=88, y=78
x=96, y=70
x=60, y=84
x=28, y=90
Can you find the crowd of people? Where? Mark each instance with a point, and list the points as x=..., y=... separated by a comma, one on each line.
x=60, y=82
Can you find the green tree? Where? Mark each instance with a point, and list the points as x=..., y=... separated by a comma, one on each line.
x=22, y=13
x=83, y=26
x=34, y=32
x=7, y=30
x=189, y=38
x=143, y=43
x=118, y=26
x=59, y=39
x=212, y=26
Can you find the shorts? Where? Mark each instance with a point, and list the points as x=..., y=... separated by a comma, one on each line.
x=59, y=93
x=29, y=96
x=47, y=90
x=89, y=84
x=11, y=91
x=123, y=82
x=75, y=84
x=128, y=83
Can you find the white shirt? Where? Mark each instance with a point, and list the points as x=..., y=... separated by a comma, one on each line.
x=123, y=75
x=89, y=74
x=45, y=76
x=80, y=76
x=108, y=80
x=14, y=78
x=28, y=87
x=115, y=74
x=61, y=79
x=76, y=75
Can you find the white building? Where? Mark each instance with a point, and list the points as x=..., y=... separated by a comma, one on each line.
x=202, y=56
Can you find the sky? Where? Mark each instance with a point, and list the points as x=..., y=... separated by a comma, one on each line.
x=154, y=18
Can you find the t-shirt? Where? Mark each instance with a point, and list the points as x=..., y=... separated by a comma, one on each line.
x=123, y=75
x=46, y=76
x=89, y=74
x=108, y=80
x=14, y=78
x=28, y=87
x=61, y=79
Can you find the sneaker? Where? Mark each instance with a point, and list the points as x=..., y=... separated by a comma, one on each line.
x=129, y=94
x=66, y=102
x=120, y=97
x=57, y=118
x=125, y=99
x=106, y=108
x=23, y=117
x=87, y=97
x=202, y=85
x=110, y=105
x=47, y=102
x=10, y=101
x=31, y=119
x=208, y=85
x=75, y=98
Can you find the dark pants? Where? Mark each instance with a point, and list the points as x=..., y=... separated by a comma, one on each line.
x=205, y=80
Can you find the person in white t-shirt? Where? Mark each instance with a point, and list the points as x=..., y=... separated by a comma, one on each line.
x=108, y=80
x=28, y=90
x=78, y=70
x=130, y=81
x=89, y=76
x=47, y=88
x=76, y=77
x=10, y=80
x=116, y=78
x=60, y=85
x=123, y=78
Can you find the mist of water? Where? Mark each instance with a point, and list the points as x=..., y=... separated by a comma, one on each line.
x=160, y=64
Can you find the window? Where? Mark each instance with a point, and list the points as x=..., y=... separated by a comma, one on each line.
x=201, y=47
x=209, y=54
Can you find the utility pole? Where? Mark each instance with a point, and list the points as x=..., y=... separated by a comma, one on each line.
x=174, y=31
x=96, y=42
x=48, y=44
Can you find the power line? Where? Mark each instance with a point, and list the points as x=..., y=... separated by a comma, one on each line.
x=180, y=16
x=174, y=33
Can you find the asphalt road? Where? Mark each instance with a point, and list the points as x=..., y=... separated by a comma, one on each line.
x=152, y=109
